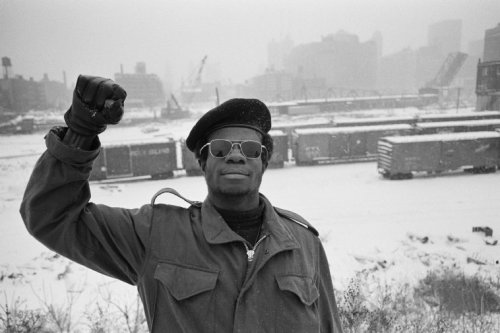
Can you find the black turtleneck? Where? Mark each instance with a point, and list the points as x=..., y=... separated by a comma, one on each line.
x=247, y=224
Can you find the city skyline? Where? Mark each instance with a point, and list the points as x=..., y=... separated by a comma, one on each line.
x=172, y=37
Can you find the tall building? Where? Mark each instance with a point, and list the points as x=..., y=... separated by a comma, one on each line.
x=488, y=72
x=397, y=73
x=143, y=89
x=277, y=52
x=56, y=94
x=340, y=60
x=428, y=61
x=492, y=44
x=475, y=48
x=446, y=36
x=272, y=86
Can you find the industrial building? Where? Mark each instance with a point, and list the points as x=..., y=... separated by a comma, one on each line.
x=488, y=72
x=143, y=89
x=18, y=95
x=340, y=59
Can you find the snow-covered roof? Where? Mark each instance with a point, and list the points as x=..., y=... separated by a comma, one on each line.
x=302, y=123
x=375, y=120
x=275, y=132
x=443, y=137
x=479, y=122
x=459, y=115
x=353, y=129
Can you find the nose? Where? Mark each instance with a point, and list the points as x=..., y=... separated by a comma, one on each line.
x=235, y=155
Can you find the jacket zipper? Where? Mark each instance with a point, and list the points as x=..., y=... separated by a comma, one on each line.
x=251, y=251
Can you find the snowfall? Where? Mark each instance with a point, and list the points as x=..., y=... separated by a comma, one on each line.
x=398, y=230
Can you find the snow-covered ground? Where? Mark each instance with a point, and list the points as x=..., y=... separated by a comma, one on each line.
x=398, y=230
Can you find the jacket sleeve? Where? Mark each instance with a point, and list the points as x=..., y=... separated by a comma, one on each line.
x=56, y=211
x=329, y=314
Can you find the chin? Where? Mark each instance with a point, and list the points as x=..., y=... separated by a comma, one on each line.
x=236, y=191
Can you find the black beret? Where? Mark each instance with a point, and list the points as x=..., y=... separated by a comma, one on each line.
x=237, y=112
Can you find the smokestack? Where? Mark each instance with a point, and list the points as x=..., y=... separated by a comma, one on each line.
x=64, y=79
x=121, y=69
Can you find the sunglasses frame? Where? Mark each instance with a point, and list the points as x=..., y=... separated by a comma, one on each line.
x=233, y=143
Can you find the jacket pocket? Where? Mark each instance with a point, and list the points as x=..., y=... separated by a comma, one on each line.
x=186, y=299
x=301, y=286
x=184, y=282
x=298, y=309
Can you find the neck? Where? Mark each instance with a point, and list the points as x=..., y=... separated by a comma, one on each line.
x=234, y=202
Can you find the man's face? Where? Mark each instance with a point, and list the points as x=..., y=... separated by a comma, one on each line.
x=234, y=175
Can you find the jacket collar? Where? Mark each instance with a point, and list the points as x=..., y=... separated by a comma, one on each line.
x=216, y=230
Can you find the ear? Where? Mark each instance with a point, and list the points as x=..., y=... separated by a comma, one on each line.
x=202, y=164
x=264, y=167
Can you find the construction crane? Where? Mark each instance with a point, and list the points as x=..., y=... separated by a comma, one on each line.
x=194, y=85
x=197, y=80
x=174, y=111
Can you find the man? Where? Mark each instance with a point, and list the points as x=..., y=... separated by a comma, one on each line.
x=233, y=263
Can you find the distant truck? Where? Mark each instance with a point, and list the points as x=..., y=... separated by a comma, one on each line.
x=400, y=156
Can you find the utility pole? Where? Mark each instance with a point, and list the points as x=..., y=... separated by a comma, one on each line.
x=458, y=98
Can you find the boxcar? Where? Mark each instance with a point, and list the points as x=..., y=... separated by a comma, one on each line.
x=342, y=144
x=457, y=126
x=280, y=149
x=290, y=127
x=189, y=162
x=155, y=159
x=399, y=157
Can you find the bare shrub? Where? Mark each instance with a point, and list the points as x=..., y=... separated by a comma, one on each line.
x=16, y=318
x=129, y=312
x=100, y=319
x=59, y=316
x=453, y=291
x=425, y=308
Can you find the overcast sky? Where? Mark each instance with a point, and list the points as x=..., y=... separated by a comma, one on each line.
x=172, y=36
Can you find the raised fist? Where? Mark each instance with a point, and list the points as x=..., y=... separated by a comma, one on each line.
x=97, y=102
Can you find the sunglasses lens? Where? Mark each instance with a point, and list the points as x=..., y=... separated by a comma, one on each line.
x=220, y=148
x=251, y=149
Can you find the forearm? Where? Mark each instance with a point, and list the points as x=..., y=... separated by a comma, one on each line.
x=58, y=186
x=57, y=212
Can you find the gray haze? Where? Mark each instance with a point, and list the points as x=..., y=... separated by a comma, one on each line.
x=95, y=37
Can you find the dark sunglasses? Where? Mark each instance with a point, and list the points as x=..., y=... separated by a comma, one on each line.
x=220, y=148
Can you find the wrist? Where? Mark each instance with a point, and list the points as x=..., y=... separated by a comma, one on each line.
x=79, y=141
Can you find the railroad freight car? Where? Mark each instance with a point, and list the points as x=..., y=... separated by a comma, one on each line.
x=400, y=157
x=189, y=162
x=457, y=126
x=290, y=127
x=342, y=144
x=155, y=159
x=280, y=149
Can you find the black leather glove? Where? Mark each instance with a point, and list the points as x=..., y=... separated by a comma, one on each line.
x=97, y=102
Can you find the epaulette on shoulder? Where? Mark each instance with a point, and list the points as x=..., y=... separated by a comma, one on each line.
x=174, y=192
x=297, y=219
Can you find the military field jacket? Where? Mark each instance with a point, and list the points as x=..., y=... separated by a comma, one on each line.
x=193, y=273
